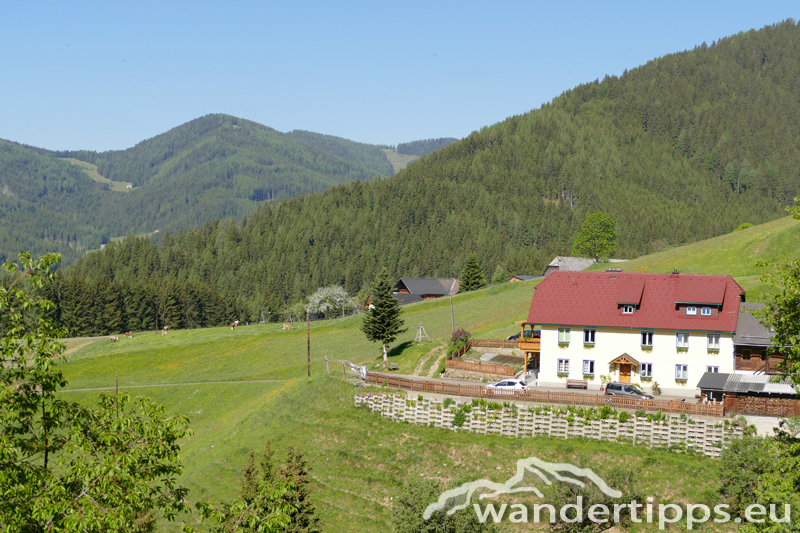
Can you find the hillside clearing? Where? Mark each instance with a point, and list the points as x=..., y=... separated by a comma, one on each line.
x=399, y=161
x=91, y=171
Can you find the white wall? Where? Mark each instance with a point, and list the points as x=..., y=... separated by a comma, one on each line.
x=611, y=343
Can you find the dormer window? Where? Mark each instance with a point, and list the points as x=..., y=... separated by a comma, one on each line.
x=705, y=311
x=627, y=309
x=691, y=310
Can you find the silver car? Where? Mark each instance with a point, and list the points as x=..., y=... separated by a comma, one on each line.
x=617, y=388
x=508, y=384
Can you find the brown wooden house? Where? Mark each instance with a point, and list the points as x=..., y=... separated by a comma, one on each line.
x=752, y=343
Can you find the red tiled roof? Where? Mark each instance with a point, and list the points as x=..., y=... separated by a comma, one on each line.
x=592, y=299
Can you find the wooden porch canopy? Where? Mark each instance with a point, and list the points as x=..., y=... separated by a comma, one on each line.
x=624, y=359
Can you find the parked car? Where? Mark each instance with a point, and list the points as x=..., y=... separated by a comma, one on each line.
x=617, y=388
x=508, y=384
x=513, y=337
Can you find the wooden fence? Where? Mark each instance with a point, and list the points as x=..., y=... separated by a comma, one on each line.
x=762, y=406
x=457, y=364
x=461, y=351
x=492, y=343
x=531, y=395
x=482, y=343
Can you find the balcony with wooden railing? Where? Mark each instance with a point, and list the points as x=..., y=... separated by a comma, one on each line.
x=529, y=340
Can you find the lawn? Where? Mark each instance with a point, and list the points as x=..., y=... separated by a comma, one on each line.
x=359, y=460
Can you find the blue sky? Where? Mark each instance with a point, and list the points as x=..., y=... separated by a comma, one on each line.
x=106, y=75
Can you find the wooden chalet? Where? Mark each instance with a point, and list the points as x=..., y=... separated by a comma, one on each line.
x=412, y=290
x=752, y=344
x=517, y=279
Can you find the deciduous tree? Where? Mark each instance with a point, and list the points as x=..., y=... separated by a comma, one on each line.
x=782, y=312
x=64, y=466
x=597, y=237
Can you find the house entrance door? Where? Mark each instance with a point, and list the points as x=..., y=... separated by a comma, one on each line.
x=625, y=373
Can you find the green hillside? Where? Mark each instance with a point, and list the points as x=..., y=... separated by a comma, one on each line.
x=735, y=253
x=213, y=167
x=46, y=204
x=420, y=148
x=359, y=461
x=682, y=149
x=367, y=155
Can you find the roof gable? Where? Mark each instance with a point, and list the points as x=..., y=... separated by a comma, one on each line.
x=596, y=298
x=429, y=286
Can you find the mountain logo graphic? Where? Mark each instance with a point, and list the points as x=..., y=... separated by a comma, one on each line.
x=529, y=471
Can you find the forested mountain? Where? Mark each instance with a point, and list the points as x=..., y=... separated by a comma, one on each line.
x=216, y=166
x=420, y=148
x=686, y=147
x=39, y=198
x=367, y=155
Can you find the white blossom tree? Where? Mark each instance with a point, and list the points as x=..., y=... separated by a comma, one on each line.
x=331, y=301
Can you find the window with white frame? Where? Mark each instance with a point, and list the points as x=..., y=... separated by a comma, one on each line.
x=647, y=338
x=681, y=371
x=705, y=311
x=627, y=309
x=563, y=335
x=646, y=370
x=712, y=369
x=691, y=310
x=588, y=336
x=588, y=367
x=682, y=340
x=713, y=341
x=563, y=366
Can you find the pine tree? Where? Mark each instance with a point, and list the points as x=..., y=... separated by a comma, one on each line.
x=471, y=276
x=382, y=323
x=304, y=519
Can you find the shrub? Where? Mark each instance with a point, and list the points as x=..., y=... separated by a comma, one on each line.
x=448, y=402
x=459, y=419
x=623, y=416
x=459, y=338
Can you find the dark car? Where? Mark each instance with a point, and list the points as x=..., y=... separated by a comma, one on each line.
x=630, y=390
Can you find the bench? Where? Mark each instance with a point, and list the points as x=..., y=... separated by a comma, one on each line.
x=393, y=366
x=577, y=384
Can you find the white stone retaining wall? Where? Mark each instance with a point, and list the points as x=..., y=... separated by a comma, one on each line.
x=704, y=437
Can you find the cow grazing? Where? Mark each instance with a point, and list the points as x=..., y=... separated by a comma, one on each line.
x=287, y=326
x=164, y=331
x=234, y=324
x=129, y=334
x=114, y=338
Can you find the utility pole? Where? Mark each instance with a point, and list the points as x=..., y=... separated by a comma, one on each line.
x=308, y=337
x=452, y=317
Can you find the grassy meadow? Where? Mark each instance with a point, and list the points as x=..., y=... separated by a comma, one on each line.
x=399, y=161
x=735, y=253
x=241, y=387
x=91, y=171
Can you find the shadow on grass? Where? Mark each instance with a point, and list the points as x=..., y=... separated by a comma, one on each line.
x=400, y=348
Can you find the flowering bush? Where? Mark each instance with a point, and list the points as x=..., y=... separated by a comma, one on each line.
x=460, y=338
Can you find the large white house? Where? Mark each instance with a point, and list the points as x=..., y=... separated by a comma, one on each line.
x=638, y=328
